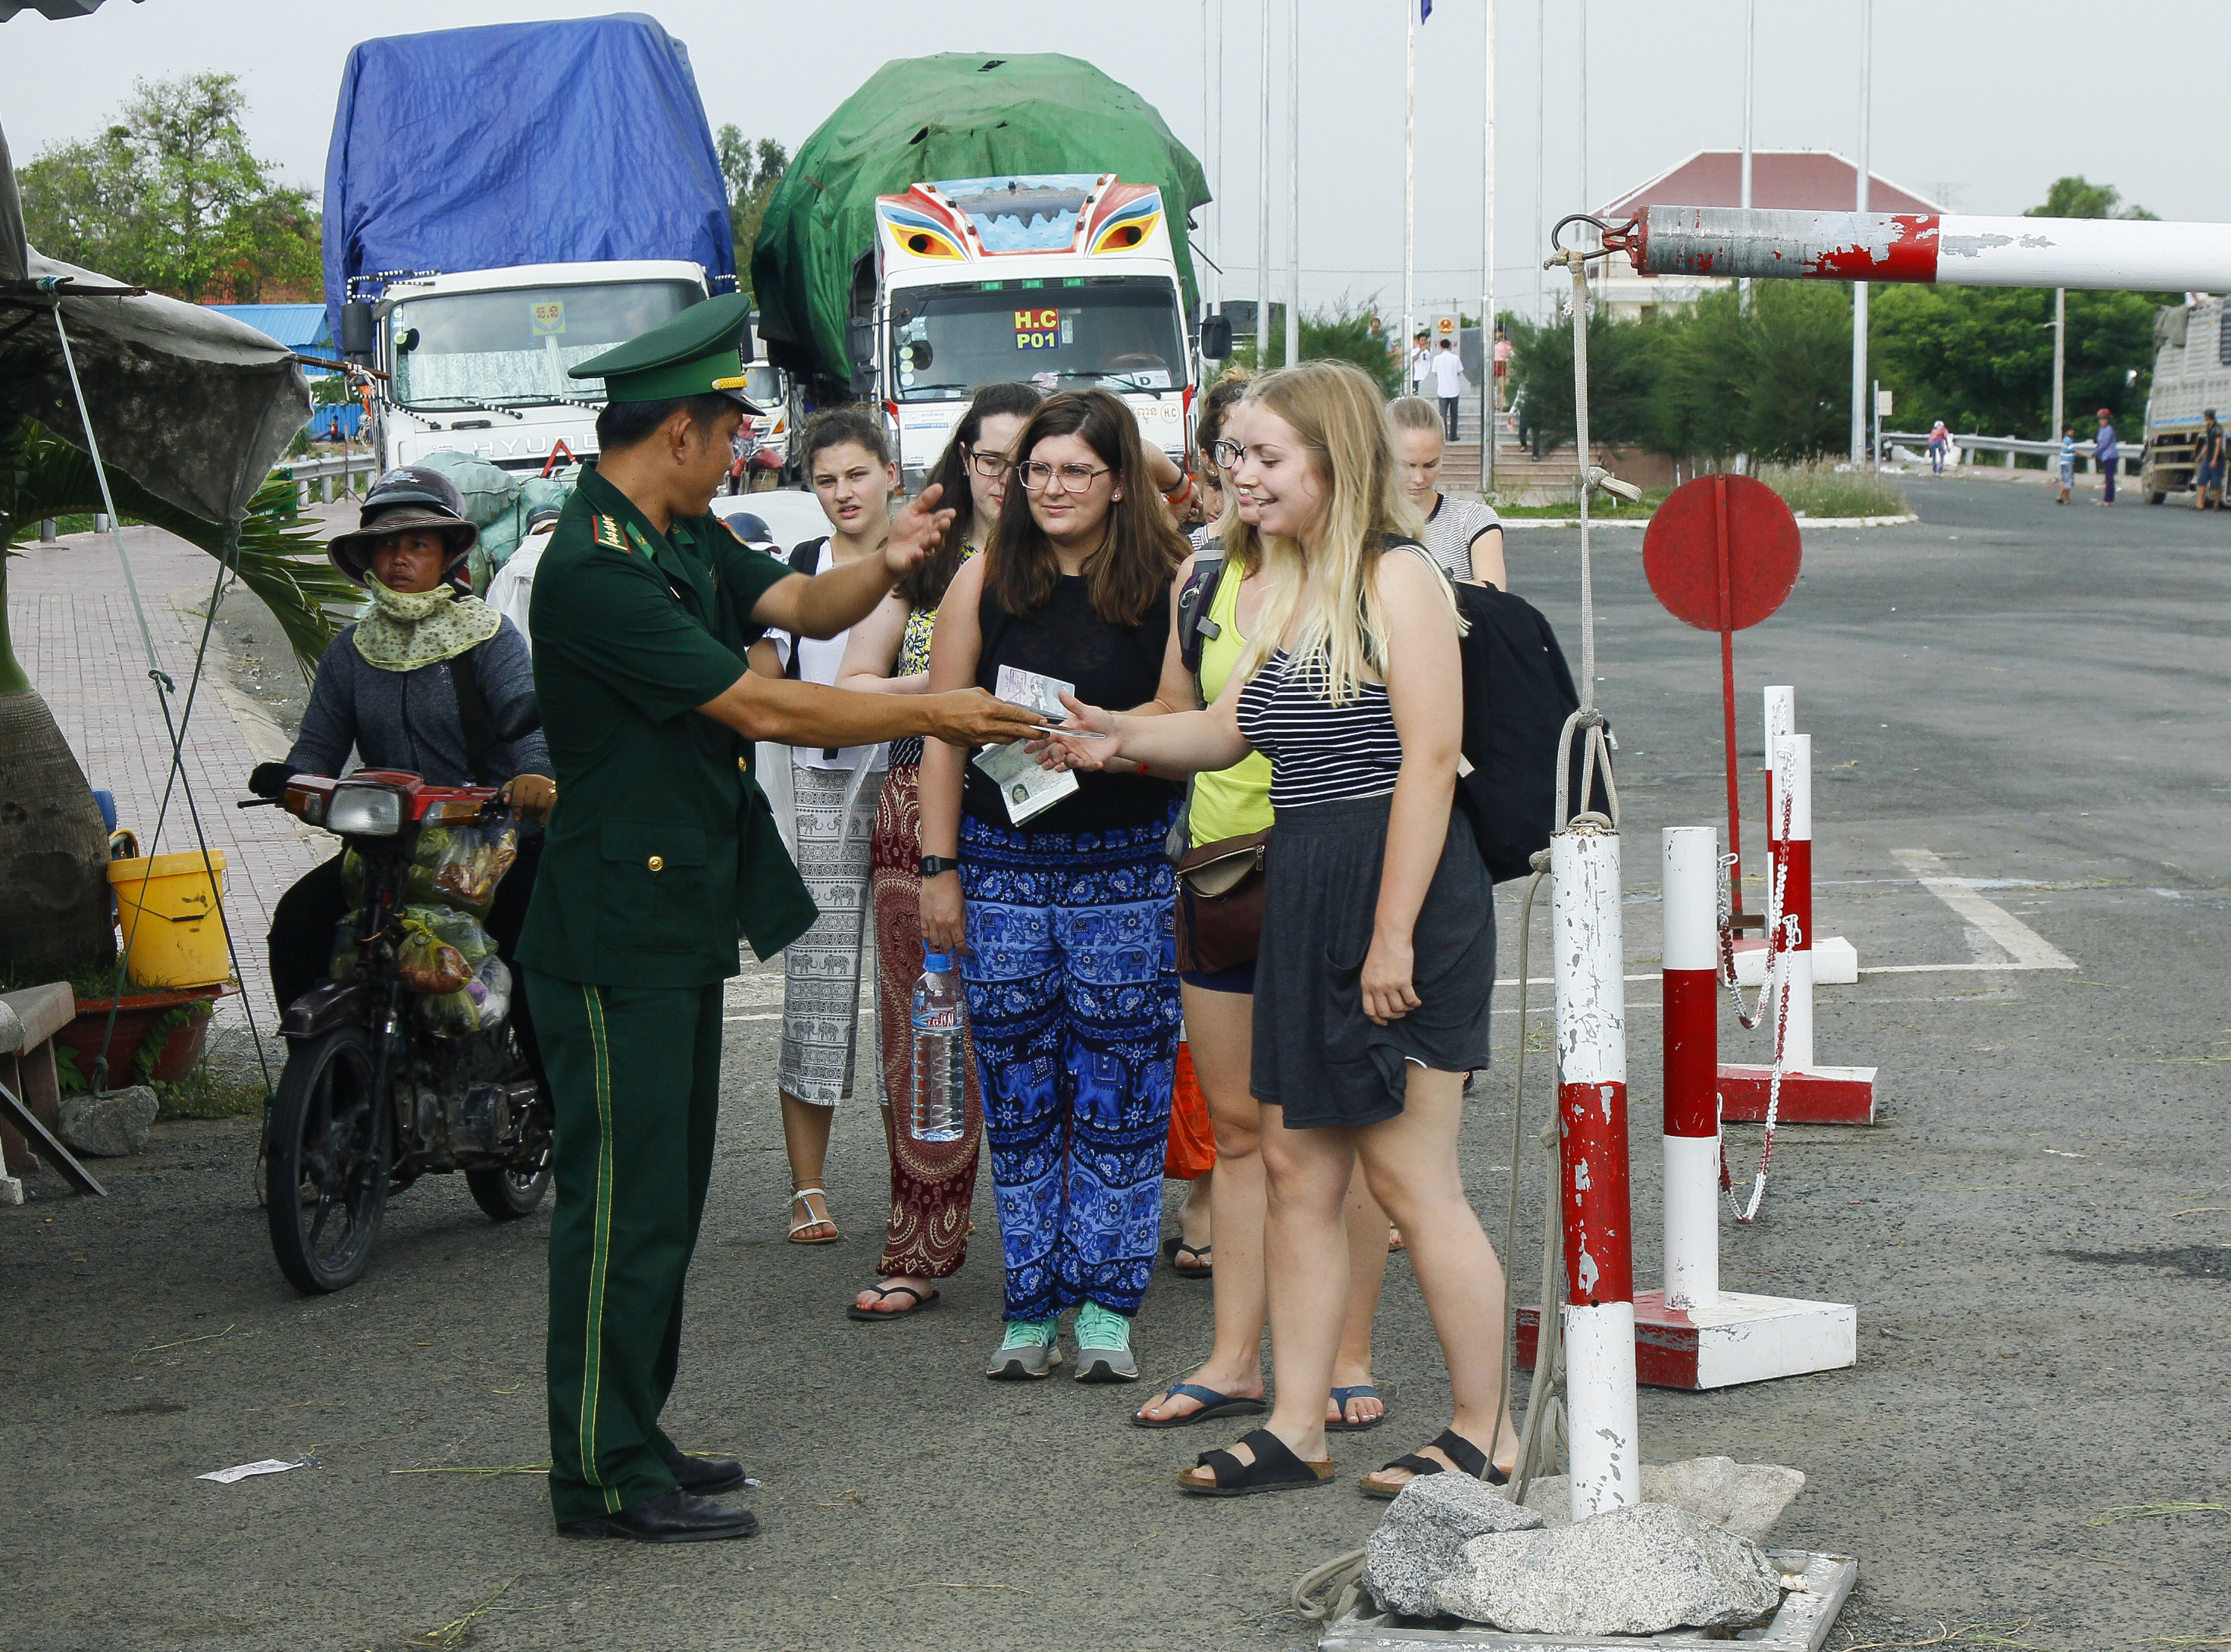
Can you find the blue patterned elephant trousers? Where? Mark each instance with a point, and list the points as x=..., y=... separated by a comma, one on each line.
x=1072, y=986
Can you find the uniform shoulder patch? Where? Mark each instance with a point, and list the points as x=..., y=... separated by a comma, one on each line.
x=607, y=531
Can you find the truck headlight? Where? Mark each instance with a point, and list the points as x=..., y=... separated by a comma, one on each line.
x=364, y=811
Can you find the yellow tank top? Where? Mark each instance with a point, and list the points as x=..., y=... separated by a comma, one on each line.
x=1233, y=802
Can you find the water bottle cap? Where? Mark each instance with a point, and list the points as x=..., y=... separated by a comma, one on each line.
x=936, y=963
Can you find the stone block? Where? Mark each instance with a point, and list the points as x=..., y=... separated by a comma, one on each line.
x=109, y=1127
x=1745, y=1498
x=1424, y=1532
x=1638, y=1571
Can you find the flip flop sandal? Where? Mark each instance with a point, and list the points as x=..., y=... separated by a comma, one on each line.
x=1203, y=1268
x=812, y=1220
x=1212, y=1404
x=1468, y=1458
x=885, y=1292
x=1341, y=1396
x=1275, y=1469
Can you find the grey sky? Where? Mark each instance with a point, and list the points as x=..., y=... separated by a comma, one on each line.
x=1989, y=102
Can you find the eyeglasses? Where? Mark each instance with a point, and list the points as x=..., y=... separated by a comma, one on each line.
x=991, y=466
x=1226, y=454
x=1073, y=479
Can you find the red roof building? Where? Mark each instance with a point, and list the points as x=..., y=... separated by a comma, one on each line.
x=1811, y=180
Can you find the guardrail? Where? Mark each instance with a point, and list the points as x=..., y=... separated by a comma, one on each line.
x=313, y=478
x=2126, y=456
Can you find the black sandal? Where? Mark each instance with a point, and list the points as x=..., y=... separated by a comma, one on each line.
x=1204, y=1261
x=1468, y=1458
x=1275, y=1469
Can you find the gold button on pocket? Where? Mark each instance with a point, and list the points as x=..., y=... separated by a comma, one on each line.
x=657, y=863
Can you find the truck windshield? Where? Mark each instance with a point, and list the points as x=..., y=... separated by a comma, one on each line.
x=946, y=341
x=514, y=346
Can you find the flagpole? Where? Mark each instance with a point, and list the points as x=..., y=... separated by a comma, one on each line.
x=1409, y=186
x=1294, y=181
x=1859, y=289
x=1263, y=198
x=1487, y=266
x=1541, y=128
x=1750, y=38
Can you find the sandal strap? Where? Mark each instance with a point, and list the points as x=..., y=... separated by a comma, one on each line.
x=889, y=1291
x=1273, y=1461
x=1415, y=1464
x=1194, y=1391
x=1462, y=1452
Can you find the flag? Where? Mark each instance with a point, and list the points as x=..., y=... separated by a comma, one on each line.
x=1424, y=11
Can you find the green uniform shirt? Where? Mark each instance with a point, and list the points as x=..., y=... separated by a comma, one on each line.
x=662, y=847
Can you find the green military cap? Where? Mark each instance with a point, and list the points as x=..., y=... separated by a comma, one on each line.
x=692, y=354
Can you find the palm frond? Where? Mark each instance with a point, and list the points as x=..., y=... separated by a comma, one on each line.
x=279, y=556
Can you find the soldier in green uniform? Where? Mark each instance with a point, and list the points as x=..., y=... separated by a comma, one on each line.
x=660, y=849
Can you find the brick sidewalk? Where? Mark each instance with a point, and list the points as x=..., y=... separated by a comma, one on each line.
x=75, y=631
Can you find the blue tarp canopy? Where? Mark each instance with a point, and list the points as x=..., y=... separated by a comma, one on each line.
x=542, y=143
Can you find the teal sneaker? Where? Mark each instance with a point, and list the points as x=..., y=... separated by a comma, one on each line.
x=1028, y=1352
x=1104, y=1346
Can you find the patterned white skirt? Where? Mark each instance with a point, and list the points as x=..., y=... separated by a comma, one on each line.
x=821, y=984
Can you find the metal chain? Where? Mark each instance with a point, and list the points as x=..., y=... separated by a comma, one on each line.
x=1775, y=990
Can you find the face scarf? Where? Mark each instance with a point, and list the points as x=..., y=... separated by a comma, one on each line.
x=408, y=629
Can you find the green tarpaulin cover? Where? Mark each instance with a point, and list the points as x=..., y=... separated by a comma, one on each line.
x=922, y=118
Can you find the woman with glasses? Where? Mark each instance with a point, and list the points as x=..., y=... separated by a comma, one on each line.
x=1061, y=908
x=932, y=1182
x=1378, y=946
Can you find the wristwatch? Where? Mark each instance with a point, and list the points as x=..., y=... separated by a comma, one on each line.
x=933, y=866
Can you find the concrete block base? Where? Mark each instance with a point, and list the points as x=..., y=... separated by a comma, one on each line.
x=1739, y=1339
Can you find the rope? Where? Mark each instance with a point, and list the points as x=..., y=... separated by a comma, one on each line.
x=175, y=778
x=1774, y=990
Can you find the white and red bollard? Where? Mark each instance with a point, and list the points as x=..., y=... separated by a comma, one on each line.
x=1811, y=1093
x=1835, y=961
x=1598, y=1308
x=1692, y=1334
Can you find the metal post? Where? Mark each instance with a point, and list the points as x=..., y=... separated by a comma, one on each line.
x=1487, y=266
x=1409, y=180
x=1751, y=41
x=1294, y=181
x=1599, y=1309
x=1793, y=776
x=1728, y=694
x=1262, y=196
x=2059, y=364
x=1874, y=449
x=1690, y=978
x=1541, y=128
x=1859, y=289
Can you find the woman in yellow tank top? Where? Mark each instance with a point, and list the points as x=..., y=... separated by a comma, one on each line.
x=1219, y=1015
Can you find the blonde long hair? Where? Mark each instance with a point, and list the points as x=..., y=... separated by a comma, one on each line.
x=1338, y=414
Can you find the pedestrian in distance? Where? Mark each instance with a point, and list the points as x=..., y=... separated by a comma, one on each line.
x=1464, y=535
x=660, y=854
x=933, y=1182
x=1421, y=363
x=2207, y=463
x=1377, y=958
x=2068, y=462
x=1939, y=440
x=1502, y=365
x=827, y=796
x=2110, y=456
x=1061, y=914
x=1448, y=384
x=1218, y=594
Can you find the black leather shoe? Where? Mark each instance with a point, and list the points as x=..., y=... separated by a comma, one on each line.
x=671, y=1517
x=703, y=1476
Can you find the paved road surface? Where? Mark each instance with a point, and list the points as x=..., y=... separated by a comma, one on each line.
x=2036, y=1237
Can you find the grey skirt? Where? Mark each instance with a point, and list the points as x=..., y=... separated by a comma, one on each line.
x=1316, y=1054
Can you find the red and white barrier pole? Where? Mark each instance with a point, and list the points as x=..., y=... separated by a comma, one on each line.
x=1792, y=782
x=1944, y=249
x=1691, y=982
x=1599, y=1309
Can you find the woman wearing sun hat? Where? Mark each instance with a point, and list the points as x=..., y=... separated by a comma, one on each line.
x=421, y=684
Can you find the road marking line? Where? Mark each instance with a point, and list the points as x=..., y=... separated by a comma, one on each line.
x=2028, y=949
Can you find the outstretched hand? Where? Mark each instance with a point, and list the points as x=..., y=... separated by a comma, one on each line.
x=916, y=531
x=1073, y=745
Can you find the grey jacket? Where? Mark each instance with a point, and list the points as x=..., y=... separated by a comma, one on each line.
x=408, y=721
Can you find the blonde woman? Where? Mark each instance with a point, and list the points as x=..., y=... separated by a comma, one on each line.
x=1463, y=535
x=1378, y=950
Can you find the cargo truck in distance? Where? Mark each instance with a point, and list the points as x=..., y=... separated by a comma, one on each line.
x=963, y=220
x=2192, y=373
x=503, y=203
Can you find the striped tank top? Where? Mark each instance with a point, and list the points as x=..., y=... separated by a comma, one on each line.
x=1319, y=752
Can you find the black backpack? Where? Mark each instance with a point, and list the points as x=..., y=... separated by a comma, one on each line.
x=1518, y=694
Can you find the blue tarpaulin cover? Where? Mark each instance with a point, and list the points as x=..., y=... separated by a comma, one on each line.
x=539, y=143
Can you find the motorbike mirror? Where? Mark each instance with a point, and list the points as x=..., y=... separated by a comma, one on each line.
x=1216, y=337
x=358, y=336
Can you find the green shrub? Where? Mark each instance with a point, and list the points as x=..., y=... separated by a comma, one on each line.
x=1823, y=488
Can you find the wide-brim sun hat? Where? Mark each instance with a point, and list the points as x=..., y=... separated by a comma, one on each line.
x=408, y=497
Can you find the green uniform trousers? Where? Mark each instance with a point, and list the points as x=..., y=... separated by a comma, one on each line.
x=635, y=1076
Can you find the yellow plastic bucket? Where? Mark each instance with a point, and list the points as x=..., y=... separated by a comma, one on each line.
x=168, y=911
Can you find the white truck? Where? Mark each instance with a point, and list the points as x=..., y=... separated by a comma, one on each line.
x=2192, y=375
x=1064, y=279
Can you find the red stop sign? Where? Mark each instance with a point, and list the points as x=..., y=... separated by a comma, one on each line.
x=1682, y=553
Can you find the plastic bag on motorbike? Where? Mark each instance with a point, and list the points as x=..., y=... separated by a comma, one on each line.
x=442, y=949
x=479, y=1006
x=472, y=862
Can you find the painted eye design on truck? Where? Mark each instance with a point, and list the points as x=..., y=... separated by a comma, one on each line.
x=919, y=237
x=1128, y=228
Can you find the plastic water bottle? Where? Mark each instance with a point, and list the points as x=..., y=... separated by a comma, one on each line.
x=940, y=1041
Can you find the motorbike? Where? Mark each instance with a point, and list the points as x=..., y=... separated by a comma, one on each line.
x=379, y=1087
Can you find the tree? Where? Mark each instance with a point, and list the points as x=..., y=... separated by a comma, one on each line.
x=751, y=171
x=1622, y=374
x=1341, y=333
x=2075, y=197
x=171, y=198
